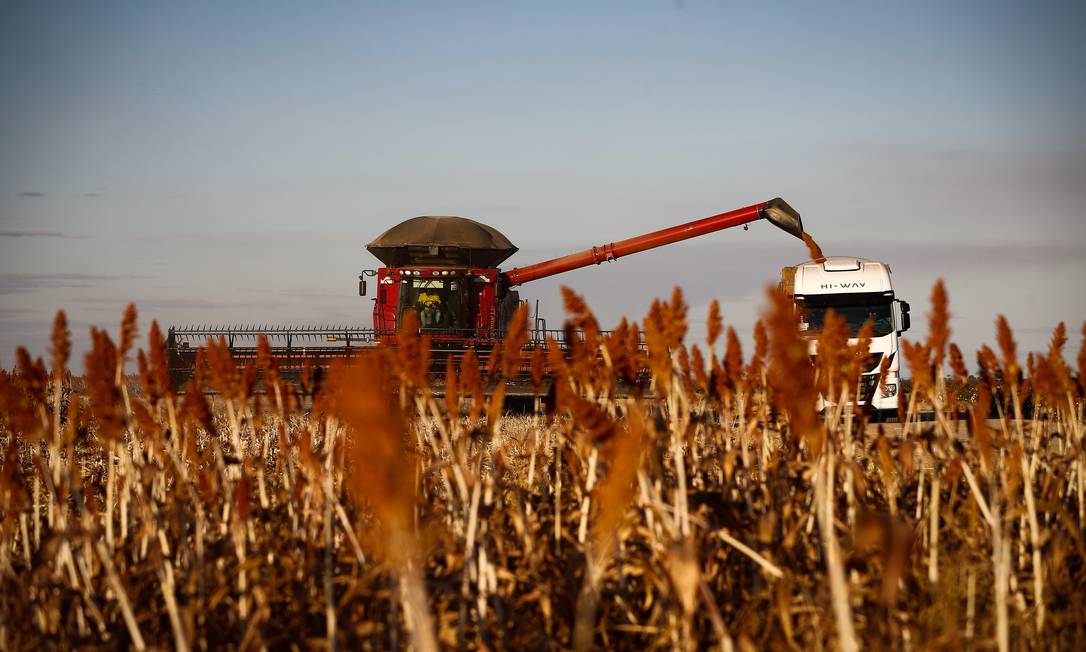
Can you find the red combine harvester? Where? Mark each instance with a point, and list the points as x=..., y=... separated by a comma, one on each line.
x=445, y=268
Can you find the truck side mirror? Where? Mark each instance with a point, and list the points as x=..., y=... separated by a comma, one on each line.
x=904, y=321
x=361, y=287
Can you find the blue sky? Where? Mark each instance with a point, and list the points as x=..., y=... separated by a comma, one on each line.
x=219, y=164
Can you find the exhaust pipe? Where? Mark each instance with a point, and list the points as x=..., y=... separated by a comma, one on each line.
x=783, y=216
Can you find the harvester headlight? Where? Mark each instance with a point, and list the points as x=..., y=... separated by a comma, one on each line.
x=889, y=390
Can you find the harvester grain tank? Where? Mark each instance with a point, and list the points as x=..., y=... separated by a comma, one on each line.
x=447, y=269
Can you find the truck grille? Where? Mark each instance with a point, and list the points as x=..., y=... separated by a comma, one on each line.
x=868, y=384
x=870, y=365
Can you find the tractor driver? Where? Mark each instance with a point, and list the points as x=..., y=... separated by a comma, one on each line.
x=429, y=307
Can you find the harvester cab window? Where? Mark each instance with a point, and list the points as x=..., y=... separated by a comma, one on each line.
x=856, y=309
x=437, y=301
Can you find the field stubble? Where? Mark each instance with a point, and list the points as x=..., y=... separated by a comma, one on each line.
x=722, y=510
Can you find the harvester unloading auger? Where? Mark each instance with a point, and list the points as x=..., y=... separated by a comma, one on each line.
x=445, y=268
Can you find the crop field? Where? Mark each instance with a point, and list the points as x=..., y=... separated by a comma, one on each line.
x=720, y=510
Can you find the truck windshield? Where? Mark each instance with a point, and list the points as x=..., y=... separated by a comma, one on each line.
x=438, y=302
x=857, y=310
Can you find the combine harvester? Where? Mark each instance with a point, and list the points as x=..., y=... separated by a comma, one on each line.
x=445, y=268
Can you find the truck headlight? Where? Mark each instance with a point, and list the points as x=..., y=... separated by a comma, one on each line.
x=889, y=389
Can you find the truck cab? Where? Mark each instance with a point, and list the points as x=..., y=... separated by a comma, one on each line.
x=860, y=290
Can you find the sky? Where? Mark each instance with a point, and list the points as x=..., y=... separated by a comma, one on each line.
x=223, y=163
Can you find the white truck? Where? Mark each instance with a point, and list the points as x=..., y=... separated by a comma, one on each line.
x=859, y=290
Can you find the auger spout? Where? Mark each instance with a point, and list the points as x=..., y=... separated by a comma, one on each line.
x=776, y=211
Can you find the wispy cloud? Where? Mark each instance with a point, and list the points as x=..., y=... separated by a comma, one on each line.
x=299, y=294
x=11, y=314
x=12, y=283
x=107, y=304
x=40, y=234
x=31, y=193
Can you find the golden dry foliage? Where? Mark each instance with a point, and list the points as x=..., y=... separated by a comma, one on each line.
x=671, y=497
x=834, y=359
x=957, y=363
x=154, y=367
x=938, y=324
x=413, y=350
x=102, y=388
x=624, y=352
x=471, y=383
x=584, y=339
x=375, y=453
x=714, y=324
x=622, y=455
x=733, y=357
x=790, y=377
x=1082, y=363
x=515, y=339
x=62, y=345
x=452, y=387
x=918, y=357
x=756, y=368
x=665, y=328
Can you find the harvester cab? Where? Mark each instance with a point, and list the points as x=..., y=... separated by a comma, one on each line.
x=445, y=269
